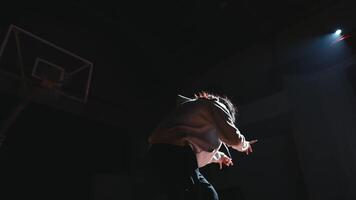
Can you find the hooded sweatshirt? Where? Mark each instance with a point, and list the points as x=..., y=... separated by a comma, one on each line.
x=203, y=124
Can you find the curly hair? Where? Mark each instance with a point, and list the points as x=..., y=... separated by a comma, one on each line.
x=222, y=99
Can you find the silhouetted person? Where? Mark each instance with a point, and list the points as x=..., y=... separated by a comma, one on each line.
x=190, y=138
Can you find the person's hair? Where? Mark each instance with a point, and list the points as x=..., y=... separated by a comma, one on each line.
x=222, y=99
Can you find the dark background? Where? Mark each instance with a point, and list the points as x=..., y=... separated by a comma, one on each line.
x=145, y=53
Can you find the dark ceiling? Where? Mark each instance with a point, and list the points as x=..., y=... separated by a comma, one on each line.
x=146, y=51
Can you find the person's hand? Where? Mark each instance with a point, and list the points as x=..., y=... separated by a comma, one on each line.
x=245, y=147
x=223, y=160
x=249, y=150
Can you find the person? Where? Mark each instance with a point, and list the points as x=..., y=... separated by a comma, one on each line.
x=190, y=138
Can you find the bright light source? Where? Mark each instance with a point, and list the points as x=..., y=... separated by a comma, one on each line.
x=338, y=32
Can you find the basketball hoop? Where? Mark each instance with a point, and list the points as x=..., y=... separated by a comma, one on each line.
x=37, y=70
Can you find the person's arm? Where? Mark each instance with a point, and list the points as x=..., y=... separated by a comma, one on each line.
x=222, y=159
x=229, y=134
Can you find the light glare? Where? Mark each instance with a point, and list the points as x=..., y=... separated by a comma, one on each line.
x=338, y=32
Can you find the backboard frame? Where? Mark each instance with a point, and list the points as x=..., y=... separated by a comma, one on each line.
x=15, y=30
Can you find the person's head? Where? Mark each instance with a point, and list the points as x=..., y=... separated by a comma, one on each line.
x=222, y=99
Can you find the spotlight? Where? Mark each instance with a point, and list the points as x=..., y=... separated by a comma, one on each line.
x=338, y=32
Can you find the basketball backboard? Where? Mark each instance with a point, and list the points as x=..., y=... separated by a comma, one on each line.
x=28, y=61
